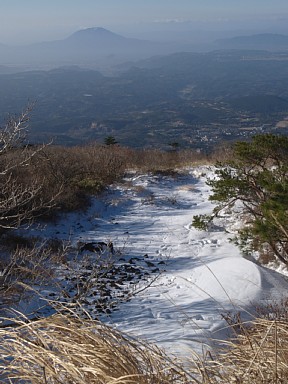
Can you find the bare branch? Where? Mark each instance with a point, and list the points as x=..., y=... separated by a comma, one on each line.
x=22, y=194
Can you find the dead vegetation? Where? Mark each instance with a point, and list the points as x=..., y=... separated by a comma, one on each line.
x=26, y=262
x=259, y=354
x=65, y=349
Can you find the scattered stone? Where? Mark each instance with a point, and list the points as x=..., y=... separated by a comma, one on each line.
x=97, y=247
x=150, y=264
x=100, y=288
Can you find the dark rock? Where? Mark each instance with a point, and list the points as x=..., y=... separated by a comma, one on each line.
x=97, y=247
x=149, y=264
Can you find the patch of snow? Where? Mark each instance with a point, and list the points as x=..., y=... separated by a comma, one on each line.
x=202, y=274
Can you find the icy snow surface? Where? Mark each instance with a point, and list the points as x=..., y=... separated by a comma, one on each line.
x=202, y=274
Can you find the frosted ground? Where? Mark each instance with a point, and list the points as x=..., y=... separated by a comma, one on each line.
x=200, y=276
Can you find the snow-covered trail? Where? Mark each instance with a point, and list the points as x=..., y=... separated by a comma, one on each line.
x=202, y=274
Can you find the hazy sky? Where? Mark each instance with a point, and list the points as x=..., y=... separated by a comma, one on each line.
x=35, y=20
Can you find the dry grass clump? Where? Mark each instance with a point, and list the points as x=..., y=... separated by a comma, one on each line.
x=66, y=350
x=26, y=262
x=63, y=349
x=259, y=354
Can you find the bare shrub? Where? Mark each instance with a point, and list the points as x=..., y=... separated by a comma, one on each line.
x=154, y=160
x=86, y=170
x=67, y=176
x=21, y=195
x=81, y=171
x=36, y=179
x=11, y=241
x=27, y=263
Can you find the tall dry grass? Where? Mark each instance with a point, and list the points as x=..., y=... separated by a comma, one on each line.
x=27, y=262
x=66, y=350
x=259, y=354
x=63, y=349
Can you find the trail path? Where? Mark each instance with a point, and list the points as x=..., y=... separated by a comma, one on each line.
x=202, y=275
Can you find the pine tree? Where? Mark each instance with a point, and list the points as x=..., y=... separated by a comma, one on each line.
x=110, y=140
x=256, y=176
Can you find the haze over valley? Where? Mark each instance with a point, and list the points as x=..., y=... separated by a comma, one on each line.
x=199, y=78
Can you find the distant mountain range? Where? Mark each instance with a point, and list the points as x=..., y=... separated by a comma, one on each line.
x=266, y=41
x=91, y=47
x=101, y=49
x=94, y=41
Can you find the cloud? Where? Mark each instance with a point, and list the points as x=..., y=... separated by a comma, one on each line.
x=170, y=21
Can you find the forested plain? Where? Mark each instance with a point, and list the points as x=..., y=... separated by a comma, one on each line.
x=193, y=99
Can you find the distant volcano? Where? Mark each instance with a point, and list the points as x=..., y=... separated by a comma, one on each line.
x=97, y=34
x=93, y=47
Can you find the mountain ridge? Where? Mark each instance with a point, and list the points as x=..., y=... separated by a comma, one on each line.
x=94, y=47
x=95, y=33
x=103, y=50
x=271, y=41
